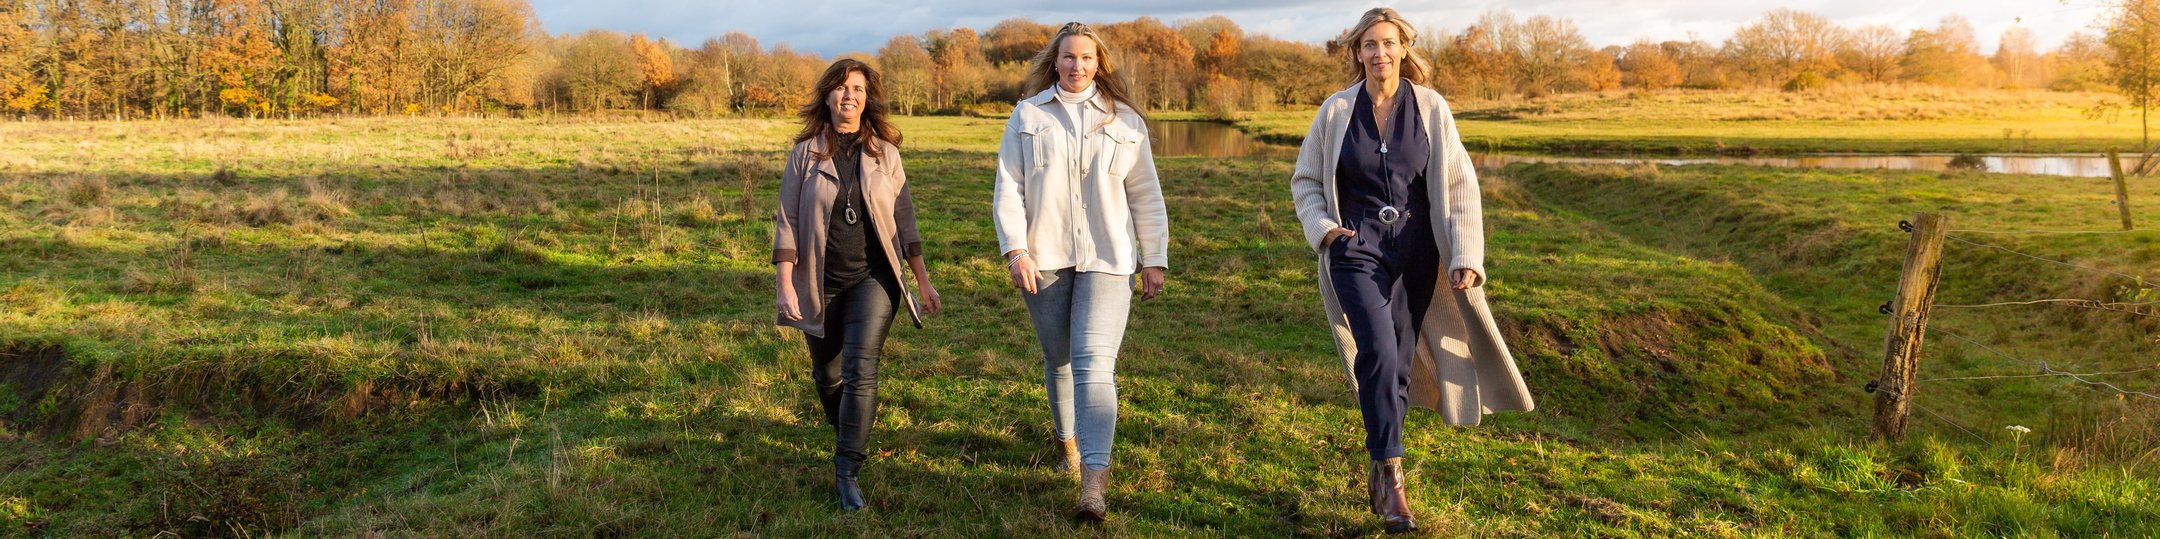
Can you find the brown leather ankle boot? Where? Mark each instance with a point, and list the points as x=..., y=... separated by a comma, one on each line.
x=1093, y=483
x=1392, y=504
x=1068, y=456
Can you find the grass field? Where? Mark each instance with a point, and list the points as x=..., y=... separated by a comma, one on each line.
x=1841, y=119
x=460, y=327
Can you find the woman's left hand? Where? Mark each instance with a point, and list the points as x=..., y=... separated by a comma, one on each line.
x=930, y=301
x=1151, y=283
x=1464, y=277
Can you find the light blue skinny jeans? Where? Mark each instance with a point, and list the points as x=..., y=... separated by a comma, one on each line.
x=1080, y=321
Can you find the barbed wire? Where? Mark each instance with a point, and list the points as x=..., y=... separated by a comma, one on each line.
x=2046, y=232
x=2042, y=375
x=2045, y=259
x=1946, y=420
x=2044, y=368
x=2077, y=303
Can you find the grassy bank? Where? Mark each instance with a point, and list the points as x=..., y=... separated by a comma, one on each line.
x=1844, y=119
x=467, y=327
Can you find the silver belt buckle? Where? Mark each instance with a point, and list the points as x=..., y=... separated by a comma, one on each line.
x=1389, y=215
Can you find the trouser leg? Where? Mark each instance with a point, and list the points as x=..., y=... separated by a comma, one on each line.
x=870, y=309
x=1050, y=309
x=1101, y=306
x=1372, y=300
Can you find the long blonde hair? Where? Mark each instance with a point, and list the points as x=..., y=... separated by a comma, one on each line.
x=1414, y=67
x=1042, y=70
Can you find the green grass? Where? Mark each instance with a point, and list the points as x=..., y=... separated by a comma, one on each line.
x=450, y=327
x=1844, y=119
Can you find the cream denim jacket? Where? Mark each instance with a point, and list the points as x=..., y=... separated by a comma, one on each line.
x=1092, y=203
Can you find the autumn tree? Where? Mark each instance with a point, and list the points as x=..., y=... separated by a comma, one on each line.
x=599, y=71
x=1478, y=61
x=1282, y=72
x=1787, y=47
x=1547, y=51
x=1646, y=65
x=906, y=66
x=242, y=57
x=1872, y=53
x=21, y=92
x=1014, y=40
x=957, y=67
x=1946, y=55
x=2133, y=35
x=2080, y=64
x=656, y=69
x=707, y=82
x=1155, y=59
x=2018, y=58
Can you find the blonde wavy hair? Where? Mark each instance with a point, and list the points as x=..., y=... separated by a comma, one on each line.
x=1042, y=69
x=1414, y=67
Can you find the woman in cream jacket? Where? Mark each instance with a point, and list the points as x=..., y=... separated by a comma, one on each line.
x=1078, y=212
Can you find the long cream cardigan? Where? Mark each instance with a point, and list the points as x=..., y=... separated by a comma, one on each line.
x=1463, y=369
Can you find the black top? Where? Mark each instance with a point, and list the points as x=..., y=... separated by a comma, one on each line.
x=851, y=247
x=1368, y=178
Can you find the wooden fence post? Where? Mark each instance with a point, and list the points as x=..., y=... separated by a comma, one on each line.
x=1908, y=324
x=2122, y=191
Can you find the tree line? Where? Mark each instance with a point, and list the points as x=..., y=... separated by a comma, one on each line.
x=283, y=58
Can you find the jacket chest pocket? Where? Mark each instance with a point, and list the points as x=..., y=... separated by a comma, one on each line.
x=1121, y=149
x=1036, y=146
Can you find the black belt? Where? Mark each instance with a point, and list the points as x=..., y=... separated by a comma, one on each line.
x=1386, y=215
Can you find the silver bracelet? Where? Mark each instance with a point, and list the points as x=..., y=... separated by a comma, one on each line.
x=1015, y=258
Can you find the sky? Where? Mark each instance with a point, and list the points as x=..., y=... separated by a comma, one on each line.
x=832, y=27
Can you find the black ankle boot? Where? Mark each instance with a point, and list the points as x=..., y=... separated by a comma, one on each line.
x=845, y=473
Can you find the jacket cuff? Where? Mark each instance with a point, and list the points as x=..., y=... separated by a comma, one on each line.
x=1318, y=243
x=911, y=250
x=783, y=255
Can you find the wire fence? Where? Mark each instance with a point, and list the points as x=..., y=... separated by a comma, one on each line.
x=2142, y=303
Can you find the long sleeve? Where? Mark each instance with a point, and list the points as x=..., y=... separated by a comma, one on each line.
x=904, y=210
x=791, y=180
x=1007, y=204
x=1466, y=214
x=1151, y=219
x=1308, y=189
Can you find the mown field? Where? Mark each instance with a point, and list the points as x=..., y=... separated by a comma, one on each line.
x=1865, y=119
x=562, y=328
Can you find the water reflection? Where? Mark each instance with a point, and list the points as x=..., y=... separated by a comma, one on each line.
x=2088, y=166
x=1209, y=139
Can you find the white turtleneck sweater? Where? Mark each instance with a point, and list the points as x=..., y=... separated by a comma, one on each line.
x=1076, y=109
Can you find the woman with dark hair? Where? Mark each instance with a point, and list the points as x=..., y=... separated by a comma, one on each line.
x=1078, y=213
x=845, y=223
x=1389, y=198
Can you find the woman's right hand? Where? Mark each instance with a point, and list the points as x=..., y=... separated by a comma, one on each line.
x=1336, y=234
x=1022, y=270
x=786, y=304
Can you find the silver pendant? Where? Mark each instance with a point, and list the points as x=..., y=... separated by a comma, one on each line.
x=1383, y=147
x=850, y=215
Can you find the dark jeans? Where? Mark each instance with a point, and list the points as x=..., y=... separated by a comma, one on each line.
x=1384, y=279
x=844, y=363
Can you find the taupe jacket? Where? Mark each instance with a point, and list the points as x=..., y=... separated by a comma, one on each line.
x=807, y=189
x=1463, y=369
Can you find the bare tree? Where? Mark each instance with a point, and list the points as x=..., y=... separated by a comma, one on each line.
x=1787, y=47
x=1873, y=52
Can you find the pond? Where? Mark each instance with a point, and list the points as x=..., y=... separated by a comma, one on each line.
x=1211, y=139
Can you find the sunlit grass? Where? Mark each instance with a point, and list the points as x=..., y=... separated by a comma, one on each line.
x=453, y=327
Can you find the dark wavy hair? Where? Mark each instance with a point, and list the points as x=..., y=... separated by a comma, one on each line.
x=817, y=115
